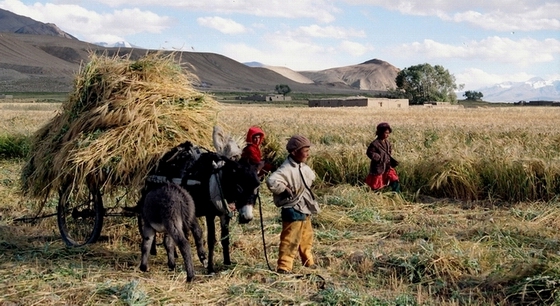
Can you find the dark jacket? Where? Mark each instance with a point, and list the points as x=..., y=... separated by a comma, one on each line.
x=380, y=154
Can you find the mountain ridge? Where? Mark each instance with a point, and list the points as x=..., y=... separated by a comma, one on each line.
x=14, y=23
x=36, y=56
x=534, y=89
x=33, y=54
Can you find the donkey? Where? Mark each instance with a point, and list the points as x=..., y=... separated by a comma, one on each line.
x=170, y=209
x=217, y=182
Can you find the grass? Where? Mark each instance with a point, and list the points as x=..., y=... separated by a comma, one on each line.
x=477, y=223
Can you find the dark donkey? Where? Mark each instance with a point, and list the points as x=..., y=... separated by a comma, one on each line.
x=216, y=181
x=170, y=209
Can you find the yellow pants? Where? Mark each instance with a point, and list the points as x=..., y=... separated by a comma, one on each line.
x=296, y=236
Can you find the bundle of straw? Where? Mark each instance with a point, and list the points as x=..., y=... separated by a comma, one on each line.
x=121, y=117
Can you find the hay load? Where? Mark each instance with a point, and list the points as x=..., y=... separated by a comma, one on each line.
x=120, y=118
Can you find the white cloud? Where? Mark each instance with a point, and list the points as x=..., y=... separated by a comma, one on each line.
x=354, y=48
x=520, y=52
x=90, y=25
x=330, y=32
x=226, y=26
x=501, y=21
x=320, y=10
x=475, y=79
x=500, y=15
x=280, y=50
x=296, y=52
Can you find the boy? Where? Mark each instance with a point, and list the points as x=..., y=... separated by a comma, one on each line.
x=290, y=186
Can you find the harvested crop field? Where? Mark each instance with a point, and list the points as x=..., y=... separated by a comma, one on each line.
x=477, y=222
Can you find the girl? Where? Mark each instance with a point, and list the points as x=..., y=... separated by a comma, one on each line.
x=382, y=166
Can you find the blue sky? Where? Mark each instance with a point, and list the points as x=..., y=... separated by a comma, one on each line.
x=481, y=42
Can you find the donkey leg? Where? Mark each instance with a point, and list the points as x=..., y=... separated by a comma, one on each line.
x=224, y=235
x=148, y=235
x=211, y=236
x=138, y=209
x=199, y=241
x=185, y=249
x=153, y=250
x=170, y=248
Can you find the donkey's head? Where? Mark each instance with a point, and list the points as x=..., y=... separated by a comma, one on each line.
x=239, y=183
x=239, y=180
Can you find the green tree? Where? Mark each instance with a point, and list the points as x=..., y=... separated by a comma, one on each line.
x=283, y=89
x=423, y=83
x=473, y=95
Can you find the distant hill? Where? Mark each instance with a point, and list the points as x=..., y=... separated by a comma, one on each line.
x=35, y=56
x=48, y=63
x=13, y=23
x=374, y=74
x=253, y=64
x=118, y=44
x=290, y=74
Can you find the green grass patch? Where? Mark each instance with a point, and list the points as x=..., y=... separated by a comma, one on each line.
x=14, y=146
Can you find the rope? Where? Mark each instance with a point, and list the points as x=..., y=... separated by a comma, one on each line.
x=226, y=209
x=33, y=219
x=262, y=231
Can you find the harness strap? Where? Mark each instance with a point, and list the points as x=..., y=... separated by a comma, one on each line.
x=224, y=207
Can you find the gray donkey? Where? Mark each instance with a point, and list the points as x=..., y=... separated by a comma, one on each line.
x=170, y=209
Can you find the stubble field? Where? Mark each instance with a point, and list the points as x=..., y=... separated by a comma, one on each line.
x=476, y=224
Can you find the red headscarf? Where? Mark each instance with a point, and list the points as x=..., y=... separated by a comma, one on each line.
x=252, y=152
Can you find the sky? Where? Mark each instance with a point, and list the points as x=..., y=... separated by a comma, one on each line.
x=480, y=42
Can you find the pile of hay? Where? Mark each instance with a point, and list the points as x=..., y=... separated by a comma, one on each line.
x=121, y=117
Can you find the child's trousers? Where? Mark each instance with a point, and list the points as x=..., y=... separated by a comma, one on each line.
x=296, y=237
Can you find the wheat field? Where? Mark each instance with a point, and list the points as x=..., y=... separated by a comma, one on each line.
x=476, y=224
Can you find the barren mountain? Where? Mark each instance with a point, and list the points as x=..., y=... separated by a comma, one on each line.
x=371, y=75
x=48, y=63
x=13, y=23
x=290, y=74
x=36, y=56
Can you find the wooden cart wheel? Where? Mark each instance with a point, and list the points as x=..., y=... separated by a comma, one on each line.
x=80, y=215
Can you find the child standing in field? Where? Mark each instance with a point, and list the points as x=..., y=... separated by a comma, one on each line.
x=291, y=189
x=251, y=153
x=382, y=166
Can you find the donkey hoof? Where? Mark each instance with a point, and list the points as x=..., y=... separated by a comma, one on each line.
x=190, y=279
x=143, y=268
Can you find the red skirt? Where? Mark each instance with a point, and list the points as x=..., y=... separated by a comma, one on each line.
x=381, y=180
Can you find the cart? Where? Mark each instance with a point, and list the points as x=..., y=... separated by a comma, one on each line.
x=120, y=115
x=80, y=215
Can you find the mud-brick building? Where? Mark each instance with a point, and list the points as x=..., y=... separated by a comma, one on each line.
x=359, y=102
x=269, y=97
x=439, y=105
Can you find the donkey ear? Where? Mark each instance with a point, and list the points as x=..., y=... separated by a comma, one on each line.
x=219, y=139
x=225, y=144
